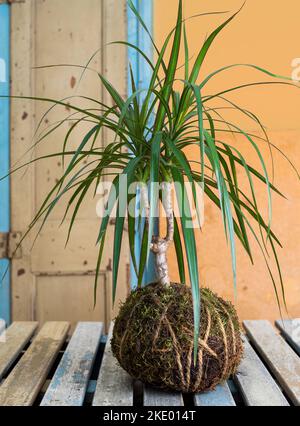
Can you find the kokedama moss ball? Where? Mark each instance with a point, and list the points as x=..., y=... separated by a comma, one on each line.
x=154, y=334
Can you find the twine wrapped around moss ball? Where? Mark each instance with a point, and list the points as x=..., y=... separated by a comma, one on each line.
x=153, y=339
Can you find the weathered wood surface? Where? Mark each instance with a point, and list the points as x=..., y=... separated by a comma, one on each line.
x=114, y=385
x=220, y=397
x=290, y=329
x=25, y=381
x=23, y=282
x=69, y=384
x=155, y=398
x=256, y=384
x=12, y=342
x=281, y=359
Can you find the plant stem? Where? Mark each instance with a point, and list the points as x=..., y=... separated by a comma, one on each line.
x=167, y=203
x=145, y=200
x=159, y=245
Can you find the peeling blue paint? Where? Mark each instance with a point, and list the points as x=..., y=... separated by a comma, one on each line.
x=4, y=155
x=79, y=379
x=71, y=379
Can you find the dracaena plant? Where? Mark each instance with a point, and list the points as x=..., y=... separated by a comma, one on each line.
x=153, y=128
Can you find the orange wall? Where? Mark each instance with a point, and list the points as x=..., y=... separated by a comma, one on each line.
x=268, y=37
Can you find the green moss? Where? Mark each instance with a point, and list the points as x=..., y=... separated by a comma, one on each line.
x=153, y=338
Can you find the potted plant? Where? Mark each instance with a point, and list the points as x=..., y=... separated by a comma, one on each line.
x=170, y=335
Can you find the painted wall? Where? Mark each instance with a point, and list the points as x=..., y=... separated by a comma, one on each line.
x=268, y=37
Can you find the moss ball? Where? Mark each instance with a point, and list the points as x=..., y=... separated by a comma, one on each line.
x=154, y=334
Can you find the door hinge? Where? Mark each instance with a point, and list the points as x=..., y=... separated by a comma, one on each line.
x=9, y=245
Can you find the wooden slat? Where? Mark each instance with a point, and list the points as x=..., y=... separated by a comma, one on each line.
x=114, y=385
x=155, y=398
x=12, y=342
x=220, y=397
x=282, y=360
x=69, y=384
x=25, y=381
x=256, y=383
x=290, y=329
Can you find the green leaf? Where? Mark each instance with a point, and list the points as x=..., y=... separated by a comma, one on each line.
x=154, y=190
x=205, y=81
x=186, y=53
x=167, y=90
x=203, y=52
x=131, y=233
x=179, y=252
x=191, y=251
x=129, y=172
x=225, y=201
x=183, y=162
x=143, y=255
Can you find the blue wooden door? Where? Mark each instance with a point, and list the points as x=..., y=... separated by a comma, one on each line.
x=4, y=156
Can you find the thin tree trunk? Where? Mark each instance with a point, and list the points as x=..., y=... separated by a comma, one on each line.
x=159, y=245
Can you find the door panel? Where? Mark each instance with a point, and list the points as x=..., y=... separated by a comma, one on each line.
x=66, y=308
x=51, y=281
x=80, y=256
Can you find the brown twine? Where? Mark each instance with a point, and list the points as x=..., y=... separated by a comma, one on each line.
x=164, y=314
x=202, y=344
x=178, y=357
x=232, y=329
x=189, y=365
x=225, y=345
x=200, y=355
x=185, y=372
x=173, y=336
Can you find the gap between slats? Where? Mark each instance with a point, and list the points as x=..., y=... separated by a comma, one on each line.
x=290, y=331
x=13, y=340
x=23, y=384
x=114, y=385
x=280, y=358
x=70, y=381
x=255, y=382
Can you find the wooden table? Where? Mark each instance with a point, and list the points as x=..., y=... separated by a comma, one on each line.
x=44, y=368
